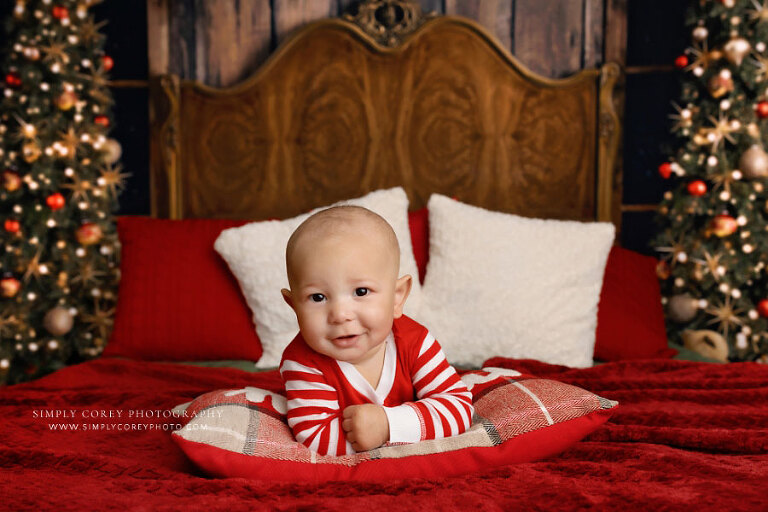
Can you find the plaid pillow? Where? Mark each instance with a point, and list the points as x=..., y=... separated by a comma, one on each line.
x=518, y=418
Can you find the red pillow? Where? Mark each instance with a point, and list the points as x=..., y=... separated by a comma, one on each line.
x=630, y=317
x=418, y=221
x=518, y=418
x=178, y=301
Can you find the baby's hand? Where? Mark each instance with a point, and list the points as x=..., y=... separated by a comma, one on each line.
x=366, y=426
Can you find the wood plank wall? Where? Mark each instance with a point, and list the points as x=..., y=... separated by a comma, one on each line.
x=221, y=42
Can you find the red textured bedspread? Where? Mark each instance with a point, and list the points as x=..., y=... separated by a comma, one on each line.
x=687, y=435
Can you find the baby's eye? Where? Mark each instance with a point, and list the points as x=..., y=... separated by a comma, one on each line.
x=361, y=292
x=317, y=297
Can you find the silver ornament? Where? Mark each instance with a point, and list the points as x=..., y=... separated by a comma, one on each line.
x=736, y=49
x=682, y=308
x=754, y=162
x=58, y=321
x=112, y=151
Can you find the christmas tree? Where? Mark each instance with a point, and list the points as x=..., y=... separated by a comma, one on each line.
x=714, y=216
x=59, y=256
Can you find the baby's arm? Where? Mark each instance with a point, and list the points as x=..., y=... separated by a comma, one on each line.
x=313, y=409
x=444, y=406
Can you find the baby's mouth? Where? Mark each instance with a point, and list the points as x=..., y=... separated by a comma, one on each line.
x=345, y=341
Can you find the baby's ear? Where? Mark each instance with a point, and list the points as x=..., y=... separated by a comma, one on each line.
x=287, y=297
x=402, y=290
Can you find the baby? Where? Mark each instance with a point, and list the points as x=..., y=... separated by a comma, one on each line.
x=361, y=374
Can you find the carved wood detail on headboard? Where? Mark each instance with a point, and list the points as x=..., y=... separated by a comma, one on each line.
x=334, y=115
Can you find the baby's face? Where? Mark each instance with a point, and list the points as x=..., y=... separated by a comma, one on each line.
x=345, y=292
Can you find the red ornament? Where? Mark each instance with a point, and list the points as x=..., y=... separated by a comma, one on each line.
x=723, y=225
x=60, y=12
x=102, y=120
x=108, y=62
x=9, y=286
x=88, y=234
x=762, y=308
x=697, y=188
x=681, y=62
x=665, y=170
x=55, y=201
x=11, y=180
x=12, y=225
x=762, y=109
x=13, y=79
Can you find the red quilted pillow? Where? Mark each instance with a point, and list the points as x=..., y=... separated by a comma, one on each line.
x=518, y=418
x=177, y=299
x=418, y=221
x=630, y=317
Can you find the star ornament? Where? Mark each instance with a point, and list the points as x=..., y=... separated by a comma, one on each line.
x=79, y=188
x=26, y=131
x=762, y=67
x=98, y=90
x=725, y=314
x=7, y=323
x=55, y=52
x=702, y=57
x=99, y=320
x=90, y=31
x=683, y=118
x=87, y=274
x=721, y=129
x=674, y=251
x=70, y=142
x=760, y=12
x=712, y=264
x=112, y=178
x=35, y=268
x=723, y=181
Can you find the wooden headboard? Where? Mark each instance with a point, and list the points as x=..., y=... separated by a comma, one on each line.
x=343, y=108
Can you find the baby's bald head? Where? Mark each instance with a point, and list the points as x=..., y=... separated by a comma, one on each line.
x=348, y=222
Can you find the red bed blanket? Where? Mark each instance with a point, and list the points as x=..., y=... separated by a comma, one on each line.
x=686, y=435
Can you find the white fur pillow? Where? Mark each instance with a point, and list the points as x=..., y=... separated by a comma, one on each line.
x=499, y=284
x=255, y=254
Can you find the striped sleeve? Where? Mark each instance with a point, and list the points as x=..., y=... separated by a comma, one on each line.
x=314, y=413
x=444, y=406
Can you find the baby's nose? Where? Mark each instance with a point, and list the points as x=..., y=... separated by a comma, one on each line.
x=340, y=311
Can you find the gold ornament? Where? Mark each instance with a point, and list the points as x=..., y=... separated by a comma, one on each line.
x=707, y=343
x=89, y=233
x=723, y=225
x=736, y=49
x=682, y=308
x=58, y=321
x=31, y=151
x=720, y=85
x=66, y=100
x=754, y=162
